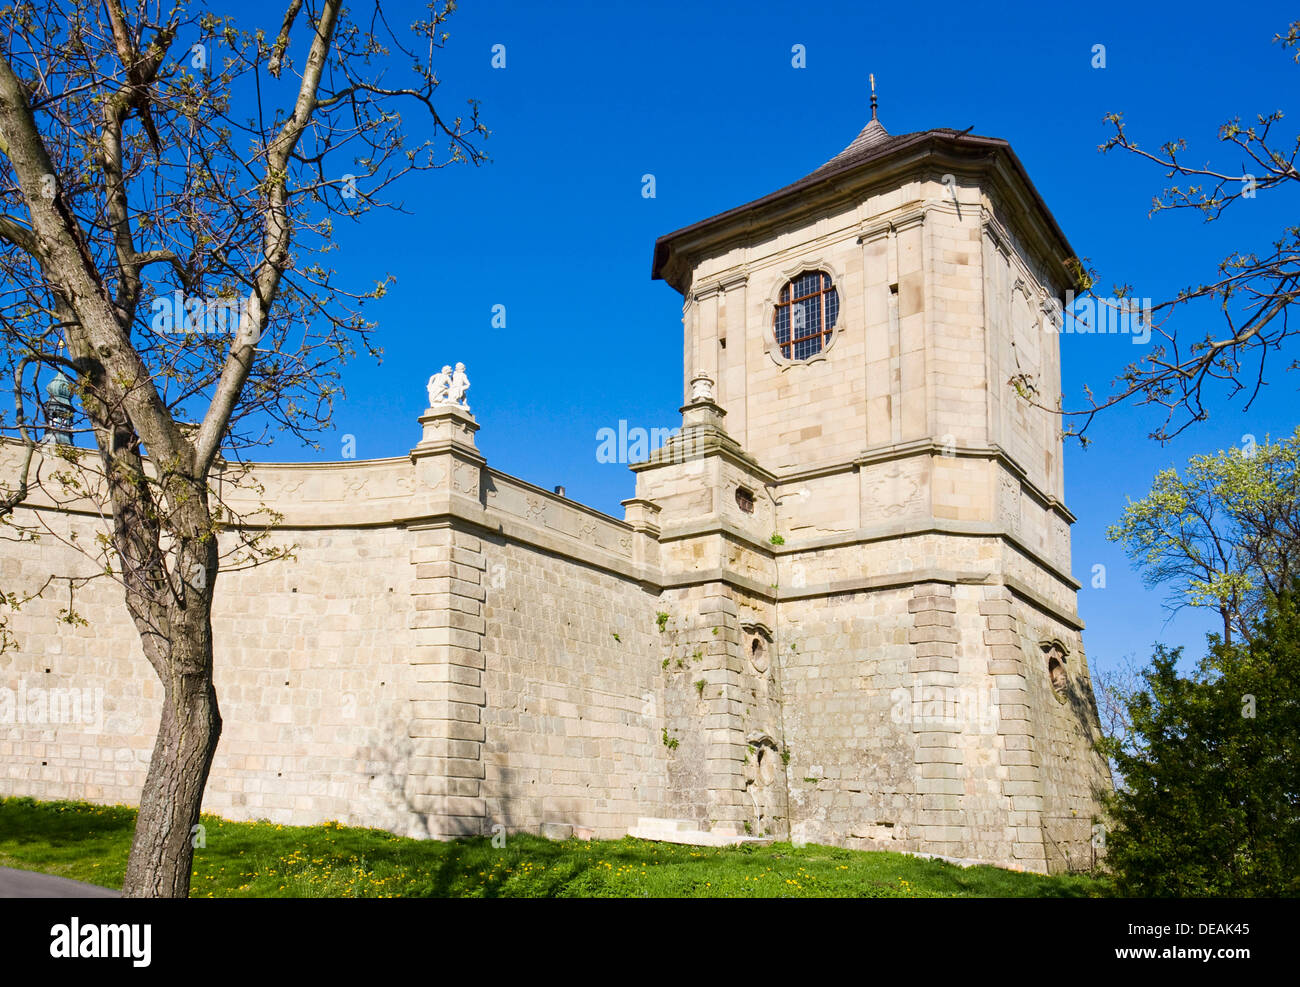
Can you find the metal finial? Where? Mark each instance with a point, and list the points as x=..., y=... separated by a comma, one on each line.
x=872, y=77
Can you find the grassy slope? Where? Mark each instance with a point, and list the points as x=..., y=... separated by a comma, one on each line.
x=90, y=843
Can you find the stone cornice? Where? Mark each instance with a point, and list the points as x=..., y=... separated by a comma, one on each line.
x=714, y=524
x=866, y=584
x=701, y=437
x=719, y=283
x=885, y=531
x=928, y=447
x=989, y=161
x=555, y=498
x=465, y=514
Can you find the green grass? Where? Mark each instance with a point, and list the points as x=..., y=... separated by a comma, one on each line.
x=263, y=860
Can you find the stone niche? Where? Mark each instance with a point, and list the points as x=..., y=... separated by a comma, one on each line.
x=765, y=788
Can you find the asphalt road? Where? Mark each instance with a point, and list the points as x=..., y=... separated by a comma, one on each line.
x=29, y=884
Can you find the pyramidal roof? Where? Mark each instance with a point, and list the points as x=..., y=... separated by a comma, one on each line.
x=873, y=134
x=874, y=141
x=874, y=148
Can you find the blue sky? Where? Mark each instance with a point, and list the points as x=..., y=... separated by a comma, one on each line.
x=704, y=96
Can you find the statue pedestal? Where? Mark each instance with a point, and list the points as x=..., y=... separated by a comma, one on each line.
x=447, y=427
x=446, y=457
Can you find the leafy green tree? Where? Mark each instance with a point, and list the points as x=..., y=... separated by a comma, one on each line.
x=1210, y=803
x=1222, y=534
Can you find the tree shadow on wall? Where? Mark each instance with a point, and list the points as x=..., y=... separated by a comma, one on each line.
x=396, y=792
x=390, y=796
x=1083, y=707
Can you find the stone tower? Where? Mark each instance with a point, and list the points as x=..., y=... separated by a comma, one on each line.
x=863, y=534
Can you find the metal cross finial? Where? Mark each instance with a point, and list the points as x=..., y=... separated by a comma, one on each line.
x=872, y=77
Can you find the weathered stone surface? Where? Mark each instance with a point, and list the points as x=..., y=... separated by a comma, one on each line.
x=455, y=651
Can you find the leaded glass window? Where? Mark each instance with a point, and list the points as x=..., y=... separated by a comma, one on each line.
x=806, y=311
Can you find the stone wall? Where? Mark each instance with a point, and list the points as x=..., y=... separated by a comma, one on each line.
x=411, y=666
x=311, y=673
x=839, y=606
x=572, y=689
x=450, y=649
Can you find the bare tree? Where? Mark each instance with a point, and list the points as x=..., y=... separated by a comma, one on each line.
x=1250, y=294
x=161, y=155
x=1113, y=687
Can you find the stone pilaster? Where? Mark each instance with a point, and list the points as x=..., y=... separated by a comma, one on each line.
x=1019, y=758
x=445, y=783
x=724, y=726
x=937, y=722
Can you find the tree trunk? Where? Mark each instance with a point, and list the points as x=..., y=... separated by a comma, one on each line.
x=177, y=639
x=162, y=851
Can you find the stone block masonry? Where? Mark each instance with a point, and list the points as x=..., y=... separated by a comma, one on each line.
x=935, y=719
x=459, y=653
x=838, y=608
x=445, y=782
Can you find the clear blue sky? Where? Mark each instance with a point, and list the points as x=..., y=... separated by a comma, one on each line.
x=703, y=95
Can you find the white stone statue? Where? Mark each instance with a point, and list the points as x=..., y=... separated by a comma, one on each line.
x=701, y=387
x=459, y=387
x=439, y=386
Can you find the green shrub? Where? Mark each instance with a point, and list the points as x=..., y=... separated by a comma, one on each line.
x=1211, y=771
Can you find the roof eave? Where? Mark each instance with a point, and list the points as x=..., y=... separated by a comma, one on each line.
x=927, y=142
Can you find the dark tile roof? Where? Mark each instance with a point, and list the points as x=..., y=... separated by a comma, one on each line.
x=873, y=135
x=872, y=144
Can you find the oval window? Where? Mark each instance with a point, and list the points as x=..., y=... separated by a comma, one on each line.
x=806, y=312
